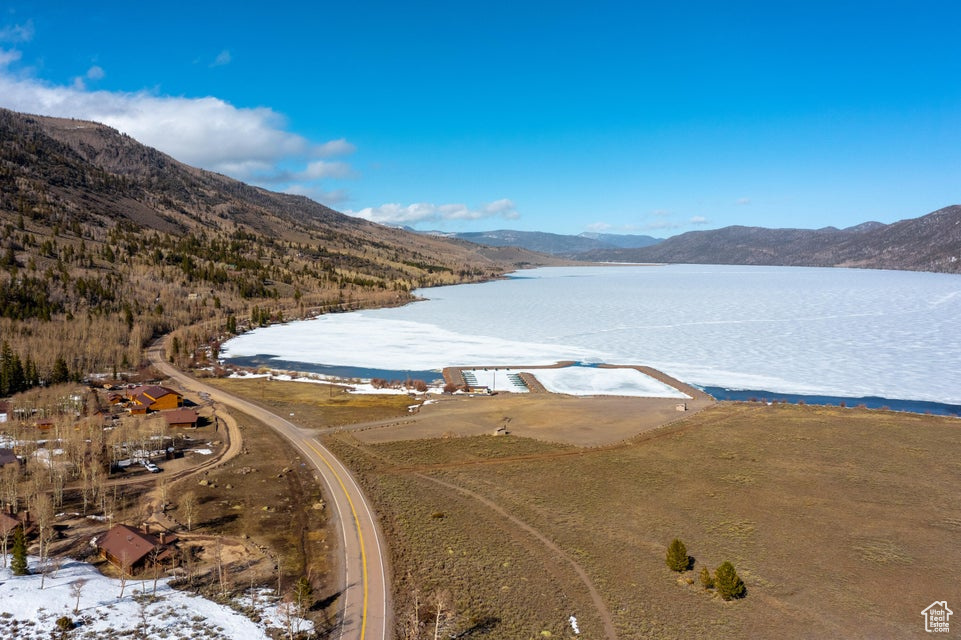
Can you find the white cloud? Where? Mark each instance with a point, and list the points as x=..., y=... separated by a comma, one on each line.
x=222, y=59
x=93, y=73
x=393, y=213
x=321, y=169
x=742, y=201
x=503, y=208
x=8, y=57
x=338, y=147
x=250, y=144
x=17, y=32
x=698, y=220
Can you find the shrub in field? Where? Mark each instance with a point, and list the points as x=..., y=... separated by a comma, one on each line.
x=64, y=623
x=707, y=580
x=728, y=584
x=677, y=558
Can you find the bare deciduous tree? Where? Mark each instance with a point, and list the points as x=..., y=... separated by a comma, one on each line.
x=76, y=587
x=442, y=602
x=188, y=503
x=42, y=509
x=124, y=568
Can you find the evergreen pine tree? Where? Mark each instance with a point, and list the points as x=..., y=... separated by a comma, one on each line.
x=728, y=584
x=17, y=381
x=677, y=558
x=6, y=362
x=19, y=551
x=707, y=580
x=303, y=595
x=30, y=374
x=60, y=372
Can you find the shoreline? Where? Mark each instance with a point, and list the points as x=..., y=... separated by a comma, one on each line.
x=720, y=394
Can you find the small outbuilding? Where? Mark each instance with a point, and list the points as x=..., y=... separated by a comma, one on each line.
x=181, y=418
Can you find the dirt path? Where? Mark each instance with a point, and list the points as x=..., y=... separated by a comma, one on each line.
x=605, y=616
x=234, y=444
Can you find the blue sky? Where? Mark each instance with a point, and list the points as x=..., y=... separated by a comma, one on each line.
x=563, y=116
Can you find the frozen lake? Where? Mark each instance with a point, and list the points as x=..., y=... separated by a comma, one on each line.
x=839, y=332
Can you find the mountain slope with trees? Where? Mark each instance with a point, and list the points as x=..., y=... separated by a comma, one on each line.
x=105, y=242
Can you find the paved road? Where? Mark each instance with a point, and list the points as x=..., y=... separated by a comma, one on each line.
x=363, y=581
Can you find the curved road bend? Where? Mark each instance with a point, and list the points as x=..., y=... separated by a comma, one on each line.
x=364, y=582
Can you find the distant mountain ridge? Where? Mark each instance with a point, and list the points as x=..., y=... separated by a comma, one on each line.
x=552, y=243
x=929, y=243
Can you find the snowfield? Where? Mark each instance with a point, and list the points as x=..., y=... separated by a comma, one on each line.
x=27, y=612
x=580, y=381
x=843, y=332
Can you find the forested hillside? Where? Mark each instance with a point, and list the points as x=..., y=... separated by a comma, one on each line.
x=105, y=243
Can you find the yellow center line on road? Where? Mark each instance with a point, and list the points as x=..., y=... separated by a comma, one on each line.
x=360, y=536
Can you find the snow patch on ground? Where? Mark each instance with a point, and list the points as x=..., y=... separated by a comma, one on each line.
x=359, y=388
x=579, y=381
x=28, y=612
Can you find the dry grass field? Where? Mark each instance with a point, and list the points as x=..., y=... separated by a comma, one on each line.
x=315, y=405
x=842, y=523
x=266, y=499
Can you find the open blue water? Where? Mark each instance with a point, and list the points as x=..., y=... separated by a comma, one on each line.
x=871, y=402
x=333, y=371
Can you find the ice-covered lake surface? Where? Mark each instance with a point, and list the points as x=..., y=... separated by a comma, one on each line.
x=810, y=331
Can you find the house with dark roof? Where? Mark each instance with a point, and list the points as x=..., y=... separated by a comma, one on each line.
x=7, y=524
x=7, y=456
x=10, y=521
x=181, y=418
x=130, y=548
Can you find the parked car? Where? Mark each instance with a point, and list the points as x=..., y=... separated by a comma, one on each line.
x=151, y=467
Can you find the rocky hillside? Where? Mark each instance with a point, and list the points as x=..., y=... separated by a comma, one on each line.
x=105, y=242
x=928, y=243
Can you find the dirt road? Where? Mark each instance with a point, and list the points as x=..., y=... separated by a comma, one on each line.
x=365, y=612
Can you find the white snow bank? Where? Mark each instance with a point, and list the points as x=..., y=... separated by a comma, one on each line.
x=580, y=381
x=103, y=614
